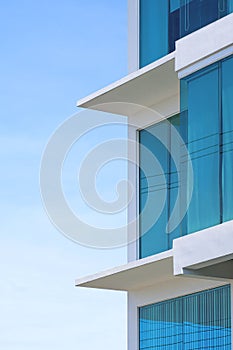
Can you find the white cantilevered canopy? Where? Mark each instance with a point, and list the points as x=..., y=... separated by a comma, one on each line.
x=204, y=254
x=148, y=87
x=134, y=275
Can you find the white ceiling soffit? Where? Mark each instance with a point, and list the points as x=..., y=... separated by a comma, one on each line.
x=134, y=275
x=146, y=87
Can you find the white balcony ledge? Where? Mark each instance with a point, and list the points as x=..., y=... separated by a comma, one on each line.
x=205, y=254
x=147, y=87
x=134, y=275
x=208, y=252
x=204, y=46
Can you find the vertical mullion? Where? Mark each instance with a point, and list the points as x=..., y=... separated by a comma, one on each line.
x=169, y=184
x=168, y=24
x=220, y=170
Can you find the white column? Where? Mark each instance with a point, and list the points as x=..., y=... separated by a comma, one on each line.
x=133, y=202
x=133, y=35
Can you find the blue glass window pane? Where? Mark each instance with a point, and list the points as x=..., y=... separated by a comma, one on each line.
x=230, y=6
x=227, y=139
x=197, y=321
x=174, y=5
x=153, y=185
x=203, y=146
x=153, y=30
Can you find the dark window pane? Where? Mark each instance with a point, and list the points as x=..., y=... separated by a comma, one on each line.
x=174, y=24
x=196, y=14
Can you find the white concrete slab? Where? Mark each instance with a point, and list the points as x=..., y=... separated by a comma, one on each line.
x=134, y=275
x=146, y=87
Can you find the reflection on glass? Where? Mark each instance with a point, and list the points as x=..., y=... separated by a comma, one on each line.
x=210, y=144
x=153, y=181
x=205, y=124
x=203, y=147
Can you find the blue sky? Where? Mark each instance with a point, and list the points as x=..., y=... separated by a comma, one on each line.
x=52, y=53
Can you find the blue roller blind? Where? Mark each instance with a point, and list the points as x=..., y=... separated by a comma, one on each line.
x=197, y=321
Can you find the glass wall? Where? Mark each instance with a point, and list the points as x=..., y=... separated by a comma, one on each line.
x=153, y=185
x=157, y=182
x=205, y=125
x=206, y=100
x=197, y=321
x=203, y=147
x=162, y=22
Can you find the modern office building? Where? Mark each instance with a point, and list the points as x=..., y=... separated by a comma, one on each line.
x=178, y=97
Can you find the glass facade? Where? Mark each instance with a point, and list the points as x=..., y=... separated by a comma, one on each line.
x=157, y=182
x=204, y=148
x=196, y=321
x=205, y=124
x=162, y=22
x=153, y=183
x=206, y=101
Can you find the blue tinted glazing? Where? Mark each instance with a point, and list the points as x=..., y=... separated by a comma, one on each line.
x=230, y=6
x=203, y=147
x=227, y=138
x=153, y=187
x=205, y=124
x=206, y=102
x=153, y=30
x=174, y=5
x=197, y=321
